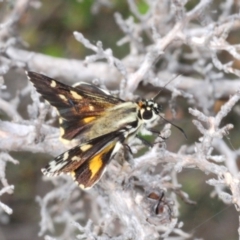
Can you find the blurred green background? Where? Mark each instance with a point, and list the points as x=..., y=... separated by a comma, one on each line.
x=50, y=29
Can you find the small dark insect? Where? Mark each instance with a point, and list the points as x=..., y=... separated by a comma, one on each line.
x=160, y=203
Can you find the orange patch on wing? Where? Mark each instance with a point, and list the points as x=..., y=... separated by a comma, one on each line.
x=95, y=165
x=96, y=162
x=88, y=119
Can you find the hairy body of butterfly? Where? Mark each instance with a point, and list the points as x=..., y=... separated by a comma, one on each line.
x=101, y=122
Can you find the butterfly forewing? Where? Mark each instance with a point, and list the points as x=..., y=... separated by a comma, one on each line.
x=78, y=106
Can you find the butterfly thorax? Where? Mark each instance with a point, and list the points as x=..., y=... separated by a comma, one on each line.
x=130, y=117
x=121, y=116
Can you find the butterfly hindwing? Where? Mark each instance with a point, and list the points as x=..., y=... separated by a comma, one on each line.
x=91, y=171
x=78, y=106
x=87, y=162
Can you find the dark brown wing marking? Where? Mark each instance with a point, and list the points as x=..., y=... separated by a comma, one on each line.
x=78, y=106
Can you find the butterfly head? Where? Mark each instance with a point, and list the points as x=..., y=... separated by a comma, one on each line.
x=149, y=110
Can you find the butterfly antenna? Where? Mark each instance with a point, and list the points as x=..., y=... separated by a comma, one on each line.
x=180, y=129
x=165, y=86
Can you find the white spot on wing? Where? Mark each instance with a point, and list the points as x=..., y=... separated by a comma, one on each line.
x=62, y=131
x=76, y=95
x=54, y=167
x=60, y=120
x=62, y=97
x=91, y=108
x=65, y=156
x=76, y=158
x=85, y=147
x=53, y=84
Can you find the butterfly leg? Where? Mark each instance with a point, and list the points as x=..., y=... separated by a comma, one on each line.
x=128, y=148
x=157, y=133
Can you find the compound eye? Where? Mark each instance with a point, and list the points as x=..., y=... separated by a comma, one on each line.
x=147, y=114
